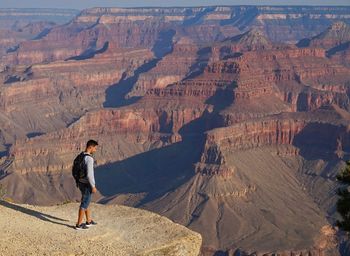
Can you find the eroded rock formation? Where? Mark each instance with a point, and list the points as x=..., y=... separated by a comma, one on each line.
x=201, y=116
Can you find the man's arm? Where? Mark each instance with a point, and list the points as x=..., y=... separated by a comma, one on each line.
x=90, y=171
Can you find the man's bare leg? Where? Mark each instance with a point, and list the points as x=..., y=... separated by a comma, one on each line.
x=88, y=215
x=80, y=216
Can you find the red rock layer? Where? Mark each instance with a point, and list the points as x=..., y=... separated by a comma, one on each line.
x=170, y=69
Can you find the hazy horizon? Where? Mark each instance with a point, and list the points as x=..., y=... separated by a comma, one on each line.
x=82, y=4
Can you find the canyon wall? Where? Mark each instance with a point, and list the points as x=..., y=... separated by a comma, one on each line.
x=208, y=115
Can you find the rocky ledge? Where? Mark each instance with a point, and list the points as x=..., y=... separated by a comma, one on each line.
x=33, y=230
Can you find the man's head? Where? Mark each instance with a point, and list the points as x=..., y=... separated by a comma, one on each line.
x=91, y=146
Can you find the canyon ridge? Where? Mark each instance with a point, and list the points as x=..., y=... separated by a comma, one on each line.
x=230, y=120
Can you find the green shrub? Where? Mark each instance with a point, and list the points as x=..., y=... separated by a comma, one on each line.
x=343, y=204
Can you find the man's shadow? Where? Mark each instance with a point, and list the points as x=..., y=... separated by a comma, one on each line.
x=39, y=215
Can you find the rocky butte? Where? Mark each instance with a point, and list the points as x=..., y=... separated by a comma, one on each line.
x=230, y=120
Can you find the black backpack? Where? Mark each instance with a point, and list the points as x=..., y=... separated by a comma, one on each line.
x=79, y=169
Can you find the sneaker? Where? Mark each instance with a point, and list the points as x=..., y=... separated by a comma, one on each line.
x=91, y=223
x=82, y=226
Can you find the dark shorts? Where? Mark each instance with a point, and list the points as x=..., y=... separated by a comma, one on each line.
x=86, y=193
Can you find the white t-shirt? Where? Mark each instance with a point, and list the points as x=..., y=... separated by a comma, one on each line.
x=90, y=178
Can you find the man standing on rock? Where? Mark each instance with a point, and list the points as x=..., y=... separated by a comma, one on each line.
x=86, y=185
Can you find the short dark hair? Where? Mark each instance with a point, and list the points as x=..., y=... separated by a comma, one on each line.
x=92, y=143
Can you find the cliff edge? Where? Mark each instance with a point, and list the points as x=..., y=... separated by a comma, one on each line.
x=34, y=230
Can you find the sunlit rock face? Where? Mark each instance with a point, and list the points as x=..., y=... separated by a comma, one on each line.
x=232, y=121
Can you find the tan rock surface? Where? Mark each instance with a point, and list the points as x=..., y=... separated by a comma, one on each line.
x=33, y=230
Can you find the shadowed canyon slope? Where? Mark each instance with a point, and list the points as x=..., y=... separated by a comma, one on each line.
x=232, y=121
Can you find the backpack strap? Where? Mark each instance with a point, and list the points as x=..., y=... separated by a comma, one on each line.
x=86, y=154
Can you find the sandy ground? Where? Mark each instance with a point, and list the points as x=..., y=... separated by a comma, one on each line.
x=33, y=230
